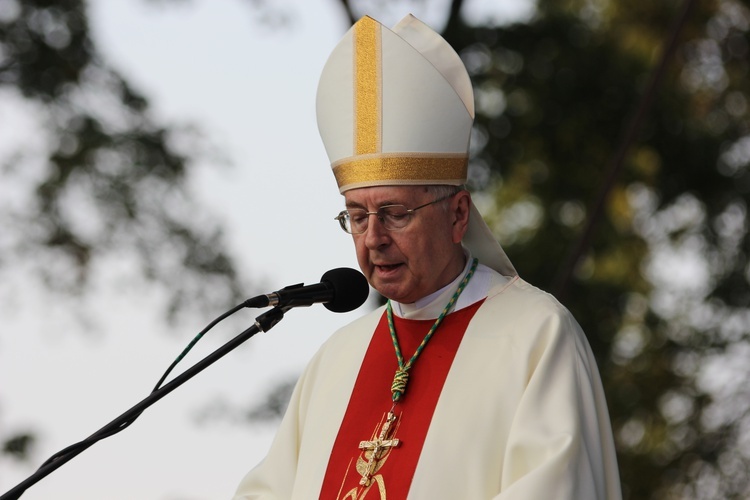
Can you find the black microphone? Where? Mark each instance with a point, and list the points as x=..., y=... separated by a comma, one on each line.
x=340, y=290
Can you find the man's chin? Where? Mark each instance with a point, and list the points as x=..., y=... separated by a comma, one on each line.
x=393, y=291
x=387, y=290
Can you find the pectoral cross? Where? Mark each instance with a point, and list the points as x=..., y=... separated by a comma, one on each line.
x=377, y=448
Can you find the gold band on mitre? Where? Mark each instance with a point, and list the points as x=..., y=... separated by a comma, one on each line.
x=400, y=169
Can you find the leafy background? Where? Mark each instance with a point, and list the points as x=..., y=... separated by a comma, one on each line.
x=628, y=119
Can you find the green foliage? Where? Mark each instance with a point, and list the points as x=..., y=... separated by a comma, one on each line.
x=106, y=181
x=103, y=182
x=662, y=289
x=274, y=406
x=18, y=446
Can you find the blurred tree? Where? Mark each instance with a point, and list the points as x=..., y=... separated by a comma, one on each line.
x=89, y=177
x=104, y=177
x=662, y=286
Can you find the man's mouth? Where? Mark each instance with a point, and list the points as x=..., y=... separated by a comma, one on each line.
x=388, y=267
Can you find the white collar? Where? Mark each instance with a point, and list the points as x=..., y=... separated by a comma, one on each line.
x=432, y=305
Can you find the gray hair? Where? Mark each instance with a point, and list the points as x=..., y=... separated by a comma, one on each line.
x=443, y=191
x=440, y=190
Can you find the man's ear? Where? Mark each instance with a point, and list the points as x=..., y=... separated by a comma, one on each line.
x=460, y=208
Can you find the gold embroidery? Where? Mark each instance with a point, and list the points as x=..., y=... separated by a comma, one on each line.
x=376, y=452
x=356, y=494
x=367, y=105
x=400, y=168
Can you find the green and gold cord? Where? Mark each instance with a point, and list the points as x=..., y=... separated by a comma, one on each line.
x=398, y=388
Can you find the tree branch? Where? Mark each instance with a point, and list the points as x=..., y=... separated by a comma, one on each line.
x=348, y=10
x=454, y=15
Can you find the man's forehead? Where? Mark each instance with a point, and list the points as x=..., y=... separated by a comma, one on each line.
x=383, y=195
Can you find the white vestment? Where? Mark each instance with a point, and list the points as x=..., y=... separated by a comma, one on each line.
x=522, y=414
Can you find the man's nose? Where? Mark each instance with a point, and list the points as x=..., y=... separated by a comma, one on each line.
x=376, y=234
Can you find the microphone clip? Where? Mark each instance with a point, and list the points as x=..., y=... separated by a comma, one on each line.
x=275, y=298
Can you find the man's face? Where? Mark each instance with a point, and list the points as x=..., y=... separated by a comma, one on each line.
x=410, y=263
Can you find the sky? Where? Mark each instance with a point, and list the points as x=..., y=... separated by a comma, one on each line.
x=251, y=91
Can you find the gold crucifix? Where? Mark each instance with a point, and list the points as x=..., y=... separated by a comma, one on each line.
x=377, y=448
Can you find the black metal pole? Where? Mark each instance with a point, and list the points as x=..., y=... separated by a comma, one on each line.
x=264, y=322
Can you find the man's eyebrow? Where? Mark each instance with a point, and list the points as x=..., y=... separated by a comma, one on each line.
x=384, y=203
x=354, y=204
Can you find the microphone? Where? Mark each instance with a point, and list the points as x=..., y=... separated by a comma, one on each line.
x=340, y=290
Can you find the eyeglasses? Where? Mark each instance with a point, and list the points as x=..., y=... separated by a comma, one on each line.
x=393, y=217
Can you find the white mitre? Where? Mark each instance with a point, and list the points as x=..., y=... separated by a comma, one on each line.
x=395, y=107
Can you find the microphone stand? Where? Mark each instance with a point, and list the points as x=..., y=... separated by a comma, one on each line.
x=263, y=323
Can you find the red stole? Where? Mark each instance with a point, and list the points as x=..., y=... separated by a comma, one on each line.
x=371, y=400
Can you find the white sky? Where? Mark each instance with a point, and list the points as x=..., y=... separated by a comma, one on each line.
x=251, y=90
